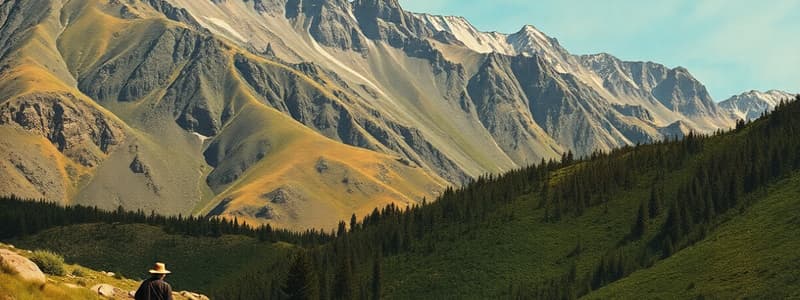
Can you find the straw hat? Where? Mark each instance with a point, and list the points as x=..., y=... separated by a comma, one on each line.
x=160, y=268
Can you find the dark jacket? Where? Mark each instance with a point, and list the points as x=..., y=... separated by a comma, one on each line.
x=154, y=289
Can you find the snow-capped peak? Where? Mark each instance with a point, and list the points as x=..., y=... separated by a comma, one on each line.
x=478, y=41
x=527, y=41
x=750, y=105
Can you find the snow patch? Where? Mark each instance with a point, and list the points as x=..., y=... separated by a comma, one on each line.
x=227, y=27
x=352, y=16
x=478, y=41
x=202, y=138
x=338, y=63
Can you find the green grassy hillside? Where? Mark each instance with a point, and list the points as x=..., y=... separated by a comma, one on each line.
x=754, y=254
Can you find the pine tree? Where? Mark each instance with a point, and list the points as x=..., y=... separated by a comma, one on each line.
x=654, y=203
x=641, y=221
x=376, y=279
x=342, y=229
x=353, y=223
x=343, y=279
x=669, y=248
x=674, y=221
x=301, y=283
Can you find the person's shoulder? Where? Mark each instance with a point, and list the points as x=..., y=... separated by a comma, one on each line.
x=165, y=284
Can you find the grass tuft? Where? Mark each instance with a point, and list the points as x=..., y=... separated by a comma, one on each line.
x=49, y=262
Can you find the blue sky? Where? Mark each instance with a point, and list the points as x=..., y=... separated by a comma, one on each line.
x=731, y=46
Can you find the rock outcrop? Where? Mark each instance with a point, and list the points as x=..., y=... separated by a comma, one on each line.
x=80, y=131
x=21, y=266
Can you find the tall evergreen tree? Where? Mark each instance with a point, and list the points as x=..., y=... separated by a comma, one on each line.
x=654, y=204
x=343, y=280
x=674, y=221
x=376, y=279
x=353, y=223
x=641, y=221
x=302, y=282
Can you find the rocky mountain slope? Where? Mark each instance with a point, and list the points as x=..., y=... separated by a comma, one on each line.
x=302, y=112
x=751, y=105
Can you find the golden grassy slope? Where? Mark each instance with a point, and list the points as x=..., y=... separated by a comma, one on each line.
x=329, y=180
x=353, y=180
x=23, y=153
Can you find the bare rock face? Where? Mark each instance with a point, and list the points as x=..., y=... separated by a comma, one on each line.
x=138, y=167
x=175, y=13
x=635, y=111
x=331, y=24
x=676, y=89
x=80, y=131
x=279, y=196
x=21, y=266
x=495, y=92
x=387, y=21
x=265, y=212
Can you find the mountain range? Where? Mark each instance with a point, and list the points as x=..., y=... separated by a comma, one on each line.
x=299, y=113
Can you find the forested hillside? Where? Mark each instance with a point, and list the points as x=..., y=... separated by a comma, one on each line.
x=577, y=227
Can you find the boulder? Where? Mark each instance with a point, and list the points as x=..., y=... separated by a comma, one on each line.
x=21, y=266
x=191, y=295
x=107, y=290
x=103, y=289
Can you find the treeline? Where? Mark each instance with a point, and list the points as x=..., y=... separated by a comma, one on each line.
x=20, y=217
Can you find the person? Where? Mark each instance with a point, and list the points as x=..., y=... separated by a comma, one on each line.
x=155, y=288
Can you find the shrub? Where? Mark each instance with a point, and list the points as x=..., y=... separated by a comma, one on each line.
x=78, y=273
x=49, y=262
